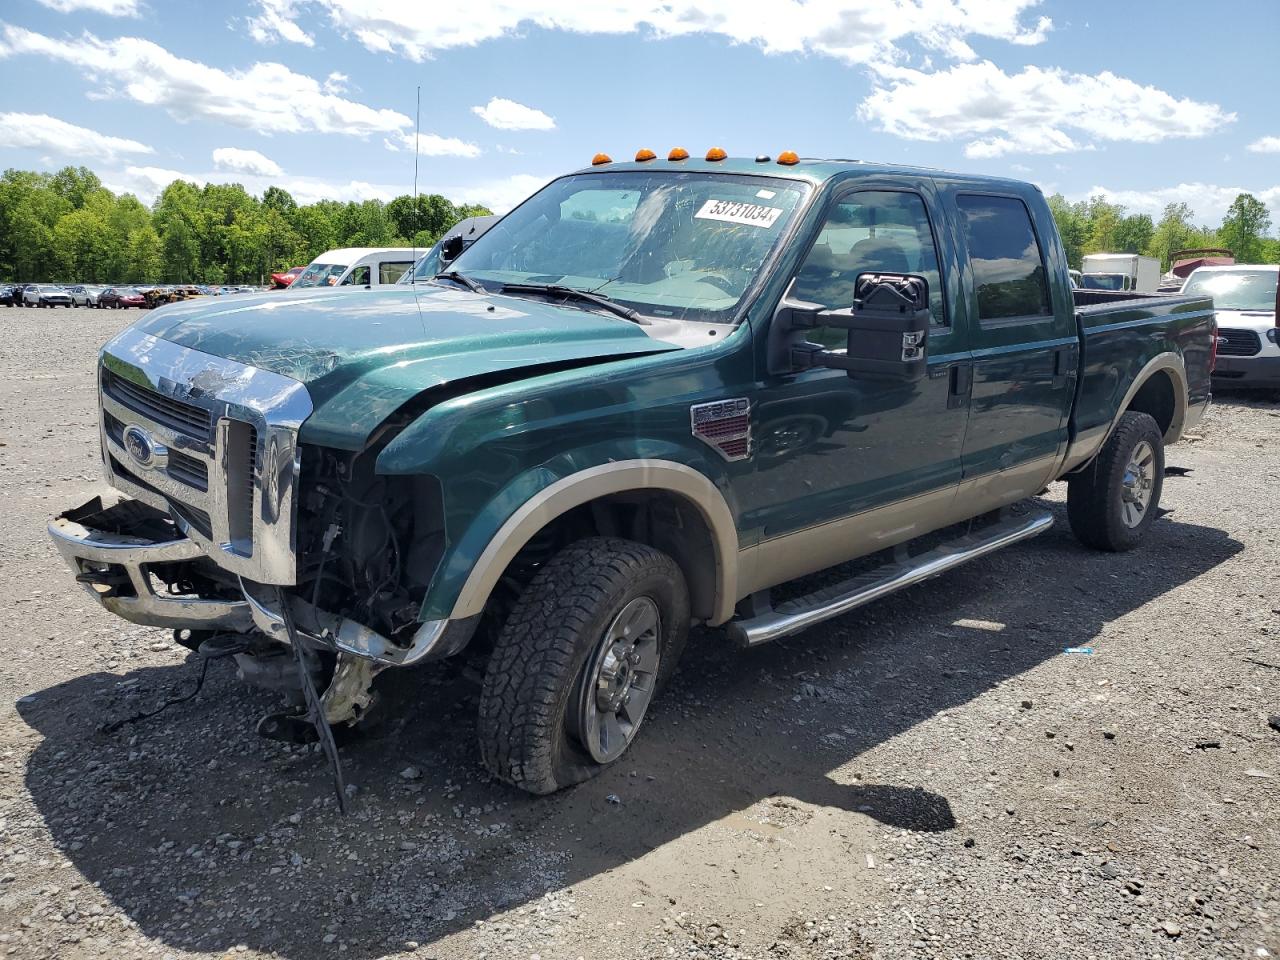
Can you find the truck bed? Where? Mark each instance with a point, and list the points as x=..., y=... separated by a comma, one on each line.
x=1121, y=335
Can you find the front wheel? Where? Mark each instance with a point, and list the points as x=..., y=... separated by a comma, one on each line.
x=1113, y=501
x=591, y=640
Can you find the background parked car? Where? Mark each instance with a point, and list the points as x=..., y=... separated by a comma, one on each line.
x=1244, y=300
x=46, y=295
x=117, y=297
x=280, y=281
x=83, y=295
x=6, y=295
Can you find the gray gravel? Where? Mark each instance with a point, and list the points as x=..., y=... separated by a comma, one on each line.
x=932, y=776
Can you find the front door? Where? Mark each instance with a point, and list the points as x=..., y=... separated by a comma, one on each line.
x=845, y=466
x=1025, y=350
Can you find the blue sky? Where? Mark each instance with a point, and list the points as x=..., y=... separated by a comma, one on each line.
x=1147, y=102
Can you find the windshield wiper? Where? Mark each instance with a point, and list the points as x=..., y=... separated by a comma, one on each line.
x=461, y=278
x=573, y=293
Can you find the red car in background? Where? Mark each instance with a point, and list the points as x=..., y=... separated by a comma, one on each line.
x=116, y=298
x=280, y=281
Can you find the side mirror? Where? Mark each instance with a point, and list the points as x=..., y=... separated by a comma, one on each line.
x=450, y=248
x=888, y=328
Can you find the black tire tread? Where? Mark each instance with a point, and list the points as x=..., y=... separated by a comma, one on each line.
x=1091, y=503
x=541, y=649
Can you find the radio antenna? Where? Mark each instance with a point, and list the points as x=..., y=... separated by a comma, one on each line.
x=417, y=126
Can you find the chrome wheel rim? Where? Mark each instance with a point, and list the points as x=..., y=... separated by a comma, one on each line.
x=618, y=681
x=1138, y=485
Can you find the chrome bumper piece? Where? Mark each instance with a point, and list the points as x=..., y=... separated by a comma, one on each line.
x=433, y=640
x=94, y=554
x=90, y=551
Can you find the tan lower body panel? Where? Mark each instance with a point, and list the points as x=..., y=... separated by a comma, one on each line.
x=807, y=551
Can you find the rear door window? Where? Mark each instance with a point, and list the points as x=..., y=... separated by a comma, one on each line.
x=1009, y=275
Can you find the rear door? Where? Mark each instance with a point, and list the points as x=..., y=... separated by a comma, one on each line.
x=1022, y=335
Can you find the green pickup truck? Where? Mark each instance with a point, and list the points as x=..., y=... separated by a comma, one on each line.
x=656, y=394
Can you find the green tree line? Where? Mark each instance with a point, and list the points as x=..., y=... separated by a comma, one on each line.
x=1097, y=226
x=67, y=226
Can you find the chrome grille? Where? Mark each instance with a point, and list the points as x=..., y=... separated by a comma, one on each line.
x=188, y=470
x=176, y=414
x=1238, y=343
x=217, y=447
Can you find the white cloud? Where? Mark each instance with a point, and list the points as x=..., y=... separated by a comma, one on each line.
x=1037, y=110
x=245, y=161
x=43, y=132
x=1265, y=145
x=1209, y=202
x=112, y=8
x=431, y=145
x=267, y=97
x=498, y=195
x=336, y=82
x=856, y=31
x=508, y=115
x=275, y=21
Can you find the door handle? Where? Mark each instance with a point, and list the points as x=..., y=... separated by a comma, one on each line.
x=1063, y=365
x=961, y=385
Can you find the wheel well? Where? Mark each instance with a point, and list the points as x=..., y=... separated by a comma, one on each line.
x=1157, y=398
x=664, y=520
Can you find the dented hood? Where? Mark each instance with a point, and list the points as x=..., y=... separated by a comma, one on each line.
x=363, y=354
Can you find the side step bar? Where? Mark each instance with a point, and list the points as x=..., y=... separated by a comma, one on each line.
x=792, y=616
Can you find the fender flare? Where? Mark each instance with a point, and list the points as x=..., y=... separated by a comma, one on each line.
x=584, y=486
x=1171, y=363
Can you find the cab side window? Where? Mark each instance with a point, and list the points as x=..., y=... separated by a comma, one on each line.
x=1009, y=276
x=873, y=231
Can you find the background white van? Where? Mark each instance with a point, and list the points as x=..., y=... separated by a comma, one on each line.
x=356, y=267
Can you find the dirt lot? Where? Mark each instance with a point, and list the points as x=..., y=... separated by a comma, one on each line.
x=932, y=776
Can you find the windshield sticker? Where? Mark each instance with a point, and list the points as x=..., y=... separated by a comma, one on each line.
x=765, y=194
x=736, y=211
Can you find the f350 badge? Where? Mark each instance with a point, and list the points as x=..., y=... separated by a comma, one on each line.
x=724, y=425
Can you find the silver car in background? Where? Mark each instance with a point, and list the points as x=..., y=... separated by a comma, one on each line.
x=84, y=295
x=1244, y=299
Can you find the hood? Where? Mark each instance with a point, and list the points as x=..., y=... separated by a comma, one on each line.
x=365, y=353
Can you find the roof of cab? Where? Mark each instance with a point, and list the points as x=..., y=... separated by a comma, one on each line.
x=352, y=254
x=811, y=170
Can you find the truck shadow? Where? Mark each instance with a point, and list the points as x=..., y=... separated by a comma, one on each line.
x=207, y=837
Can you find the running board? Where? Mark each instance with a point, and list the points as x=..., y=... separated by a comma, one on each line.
x=792, y=616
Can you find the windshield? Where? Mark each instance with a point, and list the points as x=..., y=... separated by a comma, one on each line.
x=680, y=245
x=1103, y=281
x=1235, y=289
x=320, y=275
x=428, y=266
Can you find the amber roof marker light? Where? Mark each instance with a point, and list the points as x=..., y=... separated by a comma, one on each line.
x=678, y=153
x=600, y=158
x=716, y=153
x=788, y=158
x=643, y=155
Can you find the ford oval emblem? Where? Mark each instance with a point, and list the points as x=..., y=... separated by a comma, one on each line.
x=140, y=445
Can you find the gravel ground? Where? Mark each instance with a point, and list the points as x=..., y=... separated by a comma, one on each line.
x=932, y=776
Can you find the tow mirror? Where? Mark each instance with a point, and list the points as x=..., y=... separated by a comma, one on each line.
x=887, y=326
x=450, y=248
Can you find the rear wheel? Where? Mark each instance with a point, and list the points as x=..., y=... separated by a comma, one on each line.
x=589, y=643
x=1113, y=502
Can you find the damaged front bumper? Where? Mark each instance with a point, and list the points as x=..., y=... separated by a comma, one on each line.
x=113, y=547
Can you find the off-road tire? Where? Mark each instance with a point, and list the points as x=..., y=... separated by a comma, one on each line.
x=540, y=654
x=1095, y=495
